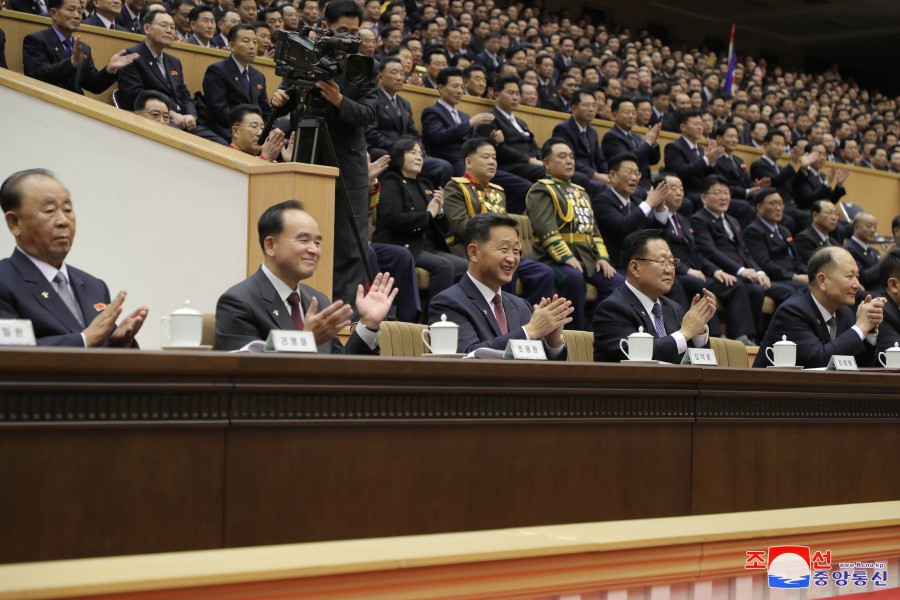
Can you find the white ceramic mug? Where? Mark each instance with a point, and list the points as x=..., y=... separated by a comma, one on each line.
x=890, y=358
x=783, y=353
x=639, y=344
x=443, y=336
x=184, y=327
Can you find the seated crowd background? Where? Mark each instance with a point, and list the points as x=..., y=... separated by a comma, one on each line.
x=743, y=232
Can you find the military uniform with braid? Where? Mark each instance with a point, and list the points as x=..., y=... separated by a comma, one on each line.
x=563, y=221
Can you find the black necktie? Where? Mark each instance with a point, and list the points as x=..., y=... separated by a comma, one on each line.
x=246, y=77
x=677, y=227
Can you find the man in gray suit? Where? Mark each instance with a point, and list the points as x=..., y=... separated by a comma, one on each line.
x=275, y=298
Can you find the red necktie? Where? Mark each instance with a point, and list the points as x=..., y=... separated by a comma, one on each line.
x=296, y=312
x=500, y=315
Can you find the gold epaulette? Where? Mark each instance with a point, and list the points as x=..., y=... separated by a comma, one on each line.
x=545, y=181
x=575, y=186
x=459, y=179
x=554, y=245
x=497, y=187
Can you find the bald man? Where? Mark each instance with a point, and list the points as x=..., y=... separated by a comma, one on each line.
x=820, y=319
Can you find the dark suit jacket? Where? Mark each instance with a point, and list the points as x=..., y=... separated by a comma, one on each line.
x=775, y=255
x=616, y=141
x=516, y=148
x=685, y=249
x=808, y=241
x=26, y=6
x=464, y=305
x=685, y=163
x=125, y=21
x=45, y=58
x=443, y=137
x=621, y=314
x=781, y=181
x=143, y=74
x=799, y=319
x=96, y=22
x=589, y=159
x=559, y=62
x=735, y=171
x=388, y=126
x=808, y=188
x=246, y=312
x=556, y=103
x=402, y=217
x=867, y=262
x=889, y=330
x=484, y=59
x=223, y=90
x=26, y=294
x=3, y=64
x=215, y=42
x=616, y=221
x=712, y=239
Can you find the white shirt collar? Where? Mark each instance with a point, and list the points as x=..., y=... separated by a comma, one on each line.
x=625, y=201
x=822, y=236
x=450, y=109
x=861, y=243
x=46, y=269
x=106, y=22
x=768, y=160
x=281, y=287
x=646, y=302
x=388, y=96
x=504, y=113
x=825, y=314
x=487, y=292
x=240, y=67
x=690, y=144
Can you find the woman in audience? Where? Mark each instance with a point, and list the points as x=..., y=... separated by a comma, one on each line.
x=410, y=213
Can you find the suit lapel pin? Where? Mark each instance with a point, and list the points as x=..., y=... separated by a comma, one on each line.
x=275, y=312
x=100, y=306
x=484, y=311
x=235, y=78
x=45, y=295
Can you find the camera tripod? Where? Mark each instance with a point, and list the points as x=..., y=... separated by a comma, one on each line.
x=313, y=143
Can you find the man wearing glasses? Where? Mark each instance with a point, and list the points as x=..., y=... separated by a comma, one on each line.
x=155, y=70
x=640, y=303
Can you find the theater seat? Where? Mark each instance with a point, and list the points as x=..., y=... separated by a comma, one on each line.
x=580, y=345
x=730, y=353
x=402, y=339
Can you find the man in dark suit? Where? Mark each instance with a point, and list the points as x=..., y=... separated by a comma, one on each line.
x=105, y=14
x=232, y=82
x=620, y=139
x=34, y=7
x=720, y=238
x=889, y=330
x=129, y=18
x=349, y=108
x=820, y=321
x=781, y=177
x=820, y=233
x=770, y=243
x=809, y=184
x=564, y=98
x=743, y=300
x=732, y=168
x=202, y=19
x=488, y=317
x=580, y=135
x=66, y=306
x=641, y=303
x=275, y=298
x=688, y=160
x=546, y=82
x=619, y=212
x=156, y=70
x=394, y=119
x=490, y=57
x=565, y=55
x=865, y=228
x=55, y=56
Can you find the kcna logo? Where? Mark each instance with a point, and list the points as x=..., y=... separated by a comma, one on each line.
x=789, y=567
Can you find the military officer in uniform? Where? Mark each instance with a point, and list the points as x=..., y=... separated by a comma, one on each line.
x=568, y=238
x=473, y=194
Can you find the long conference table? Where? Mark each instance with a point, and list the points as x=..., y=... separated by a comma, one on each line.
x=106, y=452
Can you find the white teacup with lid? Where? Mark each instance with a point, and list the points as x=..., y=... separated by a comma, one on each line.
x=443, y=336
x=783, y=353
x=184, y=327
x=639, y=344
x=890, y=358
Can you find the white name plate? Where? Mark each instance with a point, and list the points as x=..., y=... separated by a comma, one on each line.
x=16, y=332
x=840, y=362
x=286, y=340
x=700, y=356
x=525, y=350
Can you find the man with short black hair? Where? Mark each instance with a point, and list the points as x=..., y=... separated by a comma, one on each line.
x=66, y=306
x=865, y=229
x=203, y=27
x=579, y=133
x=152, y=105
x=770, y=243
x=641, y=304
x=55, y=56
x=822, y=232
x=181, y=15
x=487, y=316
x=820, y=321
x=246, y=123
x=688, y=160
x=106, y=14
x=620, y=139
x=490, y=58
x=434, y=59
x=275, y=297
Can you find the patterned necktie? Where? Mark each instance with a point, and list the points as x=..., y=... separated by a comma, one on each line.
x=500, y=315
x=832, y=327
x=62, y=288
x=658, y=321
x=296, y=311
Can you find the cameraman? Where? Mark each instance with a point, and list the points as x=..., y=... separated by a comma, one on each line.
x=350, y=108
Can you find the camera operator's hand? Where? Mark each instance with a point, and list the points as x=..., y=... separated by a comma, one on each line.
x=331, y=92
x=279, y=98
